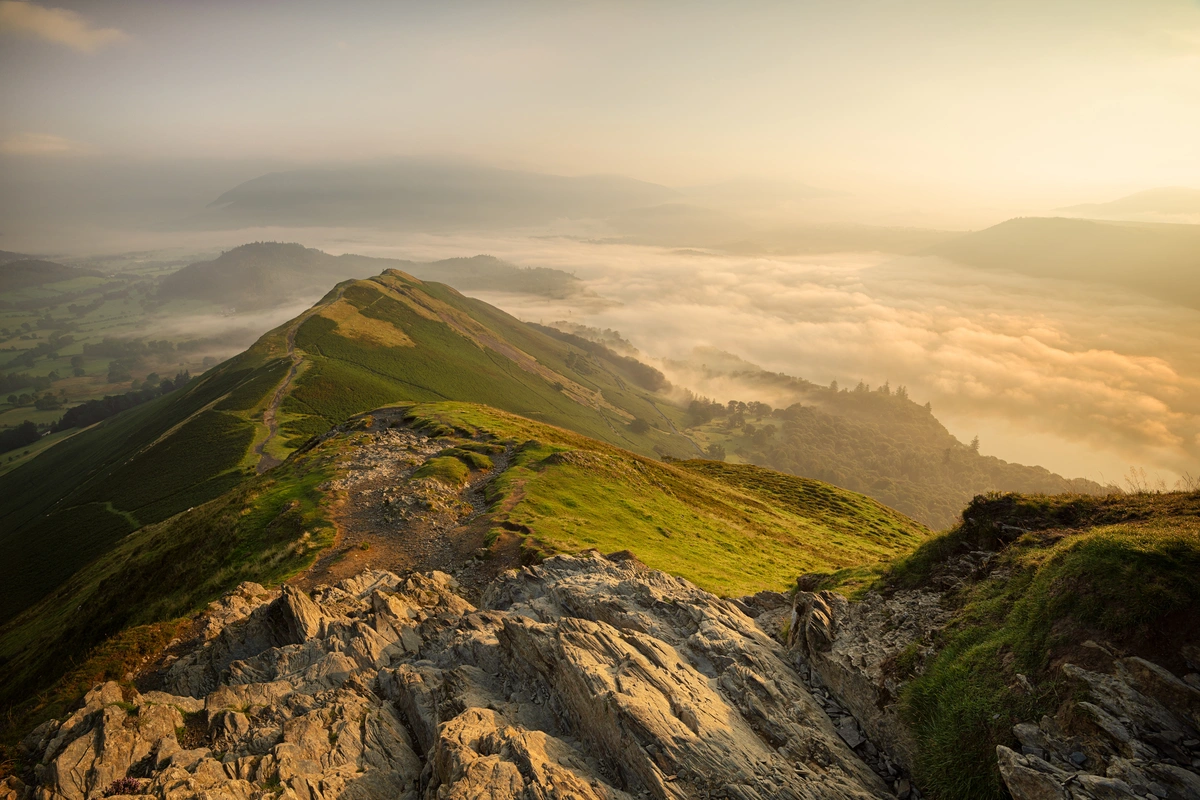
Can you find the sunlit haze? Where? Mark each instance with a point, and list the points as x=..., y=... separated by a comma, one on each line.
x=999, y=105
x=143, y=125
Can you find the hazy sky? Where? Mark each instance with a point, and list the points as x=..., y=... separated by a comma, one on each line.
x=1049, y=100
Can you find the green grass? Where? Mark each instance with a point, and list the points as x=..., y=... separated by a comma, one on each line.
x=469, y=456
x=731, y=530
x=447, y=469
x=1076, y=575
x=265, y=530
x=192, y=445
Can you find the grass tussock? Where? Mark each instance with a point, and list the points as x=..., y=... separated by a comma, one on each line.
x=446, y=469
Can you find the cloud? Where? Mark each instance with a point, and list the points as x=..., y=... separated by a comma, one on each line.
x=39, y=144
x=1095, y=369
x=57, y=25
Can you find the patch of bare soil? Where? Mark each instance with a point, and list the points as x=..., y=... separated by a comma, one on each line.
x=389, y=520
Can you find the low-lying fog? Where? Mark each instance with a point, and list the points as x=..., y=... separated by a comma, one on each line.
x=1086, y=381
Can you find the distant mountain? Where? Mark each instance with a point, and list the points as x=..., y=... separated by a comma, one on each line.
x=428, y=195
x=264, y=273
x=1165, y=204
x=8, y=255
x=1158, y=260
x=33, y=272
x=269, y=273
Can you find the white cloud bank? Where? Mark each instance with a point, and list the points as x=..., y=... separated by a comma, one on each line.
x=1083, y=380
x=58, y=25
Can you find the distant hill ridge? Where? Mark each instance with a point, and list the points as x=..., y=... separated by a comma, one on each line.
x=1161, y=203
x=1159, y=260
x=24, y=273
x=262, y=274
x=411, y=194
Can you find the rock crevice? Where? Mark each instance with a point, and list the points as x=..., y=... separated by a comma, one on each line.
x=583, y=677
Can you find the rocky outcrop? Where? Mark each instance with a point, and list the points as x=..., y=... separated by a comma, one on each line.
x=584, y=677
x=1130, y=728
x=853, y=650
x=1136, y=735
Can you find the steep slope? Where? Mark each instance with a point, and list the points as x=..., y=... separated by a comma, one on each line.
x=1158, y=260
x=462, y=488
x=384, y=340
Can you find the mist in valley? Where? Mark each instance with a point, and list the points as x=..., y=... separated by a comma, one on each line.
x=715, y=197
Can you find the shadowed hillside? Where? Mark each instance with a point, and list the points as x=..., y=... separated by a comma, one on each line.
x=23, y=273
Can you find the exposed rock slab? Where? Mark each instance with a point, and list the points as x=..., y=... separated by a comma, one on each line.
x=583, y=677
x=850, y=647
x=1136, y=735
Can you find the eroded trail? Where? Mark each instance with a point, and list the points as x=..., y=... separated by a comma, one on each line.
x=386, y=519
x=271, y=413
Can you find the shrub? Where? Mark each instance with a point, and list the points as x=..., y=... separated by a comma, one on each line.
x=126, y=785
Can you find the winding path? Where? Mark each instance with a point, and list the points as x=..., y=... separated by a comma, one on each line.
x=270, y=414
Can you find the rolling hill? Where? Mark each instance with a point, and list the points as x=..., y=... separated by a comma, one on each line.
x=1164, y=204
x=389, y=339
x=24, y=273
x=266, y=274
x=875, y=441
x=1159, y=260
x=394, y=338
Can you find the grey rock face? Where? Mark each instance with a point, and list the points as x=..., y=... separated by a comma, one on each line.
x=1135, y=737
x=580, y=678
x=849, y=646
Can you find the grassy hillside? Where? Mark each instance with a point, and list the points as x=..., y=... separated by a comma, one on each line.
x=1120, y=570
x=730, y=529
x=373, y=342
x=1159, y=260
